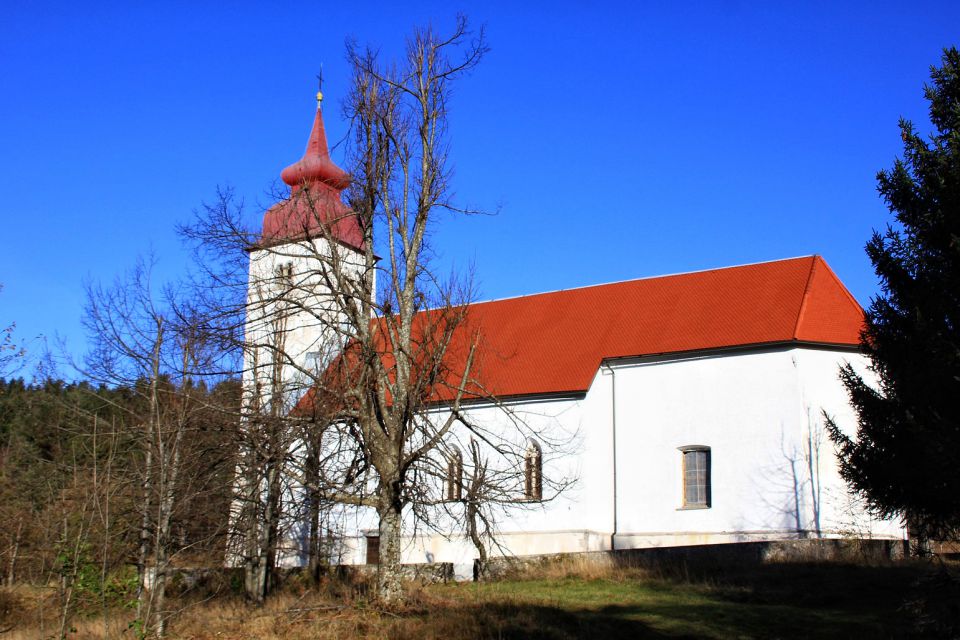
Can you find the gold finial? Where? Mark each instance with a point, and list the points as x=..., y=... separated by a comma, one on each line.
x=319, y=97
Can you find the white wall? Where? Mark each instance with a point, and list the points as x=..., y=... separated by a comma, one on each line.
x=821, y=391
x=756, y=411
x=773, y=466
x=311, y=313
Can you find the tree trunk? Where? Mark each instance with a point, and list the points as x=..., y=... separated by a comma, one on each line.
x=68, y=578
x=250, y=522
x=148, y=442
x=480, y=565
x=315, y=551
x=168, y=487
x=265, y=524
x=919, y=542
x=389, y=572
x=160, y=594
x=271, y=528
x=252, y=519
x=147, y=493
x=263, y=533
x=11, y=567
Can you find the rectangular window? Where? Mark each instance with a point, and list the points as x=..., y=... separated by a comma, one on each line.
x=373, y=549
x=696, y=477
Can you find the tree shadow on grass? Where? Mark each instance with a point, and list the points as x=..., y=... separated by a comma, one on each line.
x=649, y=620
x=494, y=620
x=704, y=600
x=807, y=599
x=815, y=585
x=729, y=620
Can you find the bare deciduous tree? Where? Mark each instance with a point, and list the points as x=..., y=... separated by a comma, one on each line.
x=155, y=346
x=355, y=393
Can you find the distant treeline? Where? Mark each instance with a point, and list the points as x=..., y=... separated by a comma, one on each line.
x=72, y=478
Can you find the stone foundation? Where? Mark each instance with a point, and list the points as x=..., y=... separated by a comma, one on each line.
x=703, y=557
x=424, y=573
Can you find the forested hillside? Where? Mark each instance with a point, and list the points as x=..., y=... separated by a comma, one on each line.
x=73, y=463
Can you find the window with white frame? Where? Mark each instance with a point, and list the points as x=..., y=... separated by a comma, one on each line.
x=696, y=476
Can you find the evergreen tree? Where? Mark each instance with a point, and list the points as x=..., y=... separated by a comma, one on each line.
x=905, y=457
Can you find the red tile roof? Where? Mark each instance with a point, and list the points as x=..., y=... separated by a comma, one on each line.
x=554, y=342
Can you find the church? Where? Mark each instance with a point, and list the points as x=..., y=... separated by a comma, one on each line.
x=692, y=405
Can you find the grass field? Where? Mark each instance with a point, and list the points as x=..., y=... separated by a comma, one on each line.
x=783, y=601
x=791, y=600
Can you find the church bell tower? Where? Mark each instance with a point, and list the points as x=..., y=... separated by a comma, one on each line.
x=309, y=241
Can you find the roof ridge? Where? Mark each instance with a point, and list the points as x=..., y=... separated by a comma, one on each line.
x=665, y=275
x=806, y=296
x=842, y=286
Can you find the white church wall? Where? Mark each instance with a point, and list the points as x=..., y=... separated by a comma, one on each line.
x=751, y=410
x=308, y=339
x=560, y=522
x=821, y=391
x=755, y=410
x=576, y=519
x=741, y=406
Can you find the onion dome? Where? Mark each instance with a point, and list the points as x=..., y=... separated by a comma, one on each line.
x=314, y=208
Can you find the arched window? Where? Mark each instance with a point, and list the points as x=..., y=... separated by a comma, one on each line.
x=285, y=274
x=696, y=476
x=533, y=471
x=455, y=475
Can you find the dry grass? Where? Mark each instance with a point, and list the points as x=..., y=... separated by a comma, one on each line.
x=310, y=616
x=28, y=613
x=573, y=598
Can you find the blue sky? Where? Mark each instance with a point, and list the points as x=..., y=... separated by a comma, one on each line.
x=617, y=140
